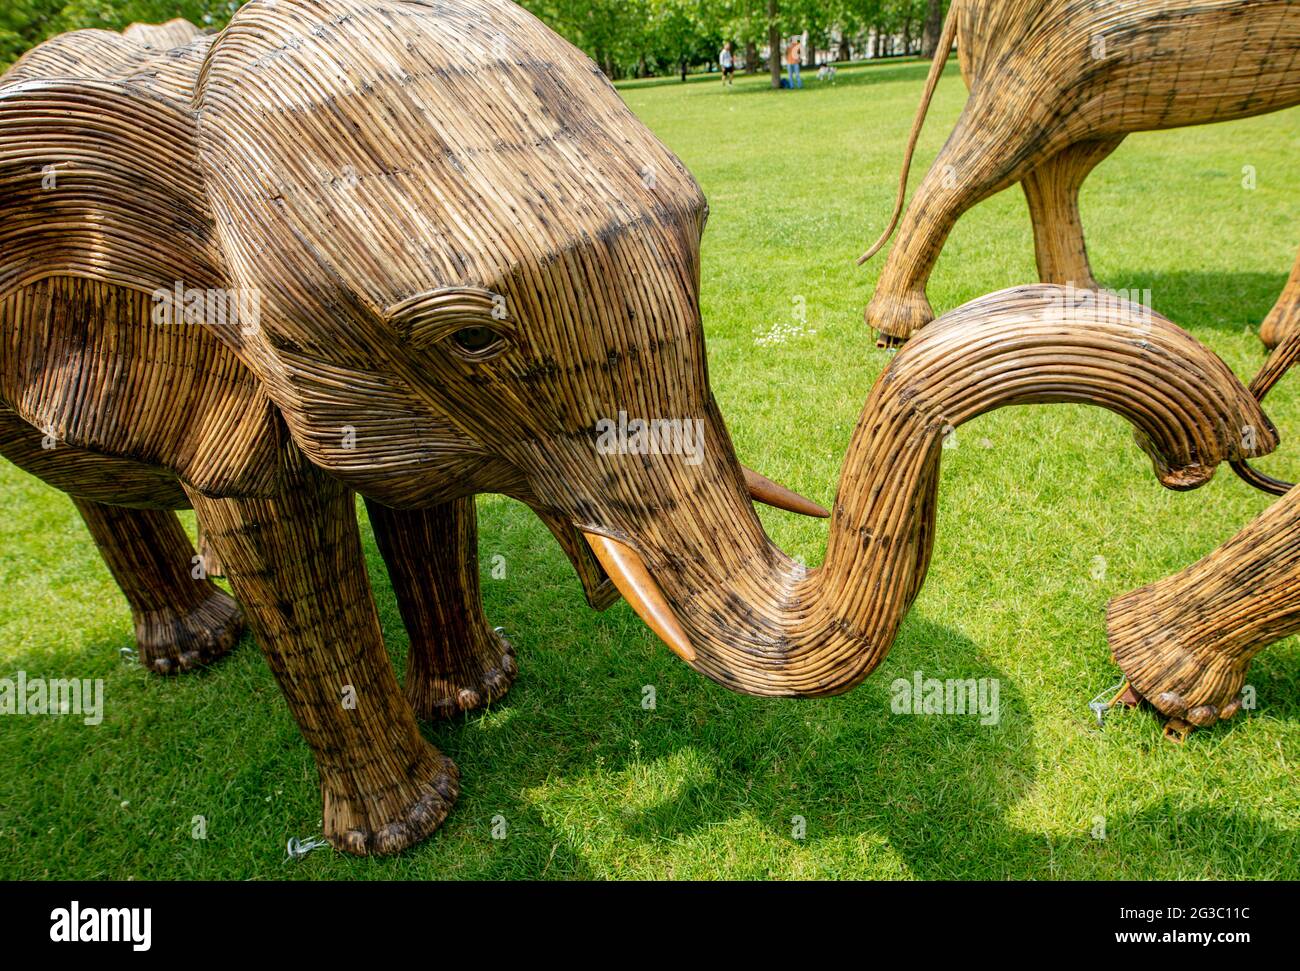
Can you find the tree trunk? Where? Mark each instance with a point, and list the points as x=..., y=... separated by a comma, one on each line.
x=683, y=72
x=810, y=52
x=774, y=42
x=751, y=57
x=846, y=53
x=933, y=28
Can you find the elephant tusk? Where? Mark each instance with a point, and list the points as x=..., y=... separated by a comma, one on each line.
x=628, y=571
x=764, y=490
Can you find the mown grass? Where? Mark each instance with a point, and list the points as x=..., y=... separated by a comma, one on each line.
x=706, y=785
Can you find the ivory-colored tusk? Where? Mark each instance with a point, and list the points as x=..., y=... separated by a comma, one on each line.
x=628, y=571
x=764, y=490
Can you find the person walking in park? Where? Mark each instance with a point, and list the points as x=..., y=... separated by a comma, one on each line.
x=793, y=58
x=727, y=61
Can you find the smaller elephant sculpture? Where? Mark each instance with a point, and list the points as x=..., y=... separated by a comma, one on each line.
x=1186, y=642
x=1054, y=88
x=449, y=272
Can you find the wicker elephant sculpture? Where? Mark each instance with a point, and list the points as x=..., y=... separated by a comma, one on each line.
x=420, y=252
x=1054, y=88
x=1187, y=641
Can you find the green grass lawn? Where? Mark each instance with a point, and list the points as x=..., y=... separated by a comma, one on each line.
x=590, y=784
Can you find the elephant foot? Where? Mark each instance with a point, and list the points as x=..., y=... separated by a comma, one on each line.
x=896, y=317
x=482, y=676
x=171, y=642
x=1178, y=728
x=389, y=820
x=1190, y=681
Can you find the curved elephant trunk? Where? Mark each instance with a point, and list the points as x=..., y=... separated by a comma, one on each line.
x=759, y=623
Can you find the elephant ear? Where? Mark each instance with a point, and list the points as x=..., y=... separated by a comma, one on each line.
x=100, y=180
x=103, y=212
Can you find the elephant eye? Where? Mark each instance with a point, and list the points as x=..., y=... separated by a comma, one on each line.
x=478, y=342
x=472, y=323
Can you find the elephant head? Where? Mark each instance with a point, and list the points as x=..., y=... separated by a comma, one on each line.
x=469, y=268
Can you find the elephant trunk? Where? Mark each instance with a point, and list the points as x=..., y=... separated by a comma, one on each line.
x=743, y=613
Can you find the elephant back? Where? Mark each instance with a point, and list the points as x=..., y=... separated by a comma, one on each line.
x=164, y=58
x=458, y=140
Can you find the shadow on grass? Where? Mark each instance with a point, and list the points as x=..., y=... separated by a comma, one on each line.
x=910, y=778
x=938, y=791
x=1223, y=301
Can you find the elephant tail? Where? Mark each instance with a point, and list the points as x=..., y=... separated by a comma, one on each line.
x=946, y=40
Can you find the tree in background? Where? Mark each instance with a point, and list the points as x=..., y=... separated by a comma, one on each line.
x=933, y=27
x=815, y=18
x=684, y=32
x=774, y=41
x=744, y=23
x=627, y=38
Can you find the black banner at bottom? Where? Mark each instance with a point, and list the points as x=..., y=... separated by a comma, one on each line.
x=334, y=920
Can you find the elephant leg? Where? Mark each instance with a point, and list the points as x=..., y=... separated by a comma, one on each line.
x=976, y=162
x=181, y=622
x=1285, y=315
x=1186, y=642
x=296, y=564
x=1052, y=191
x=457, y=661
